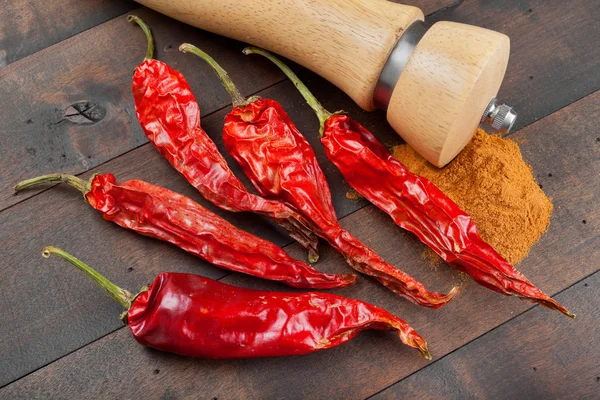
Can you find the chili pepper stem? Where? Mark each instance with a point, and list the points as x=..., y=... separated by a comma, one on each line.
x=122, y=296
x=71, y=180
x=236, y=97
x=312, y=101
x=147, y=32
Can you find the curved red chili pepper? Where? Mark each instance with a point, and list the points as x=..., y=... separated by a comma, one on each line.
x=414, y=203
x=170, y=117
x=163, y=214
x=282, y=165
x=195, y=316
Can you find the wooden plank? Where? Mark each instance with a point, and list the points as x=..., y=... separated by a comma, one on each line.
x=36, y=137
x=28, y=26
x=49, y=309
x=427, y=6
x=534, y=356
x=40, y=90
x=373, y=360
x=554, y=51
x=75, y=226
x=94, y=68
x=297, y=110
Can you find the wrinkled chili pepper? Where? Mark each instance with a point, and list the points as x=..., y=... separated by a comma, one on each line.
x=198, y=317
x=162, y=214
x=413, y=202
x=170, y=117
x=282, y=165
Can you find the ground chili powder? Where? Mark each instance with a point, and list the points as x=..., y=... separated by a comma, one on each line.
x=490, y=181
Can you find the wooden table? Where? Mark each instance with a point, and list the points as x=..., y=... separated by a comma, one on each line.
x=66, y=105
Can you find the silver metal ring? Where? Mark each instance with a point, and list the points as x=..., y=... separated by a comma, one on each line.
x=396, y=62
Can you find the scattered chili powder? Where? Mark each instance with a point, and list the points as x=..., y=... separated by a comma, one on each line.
x=353, y=195
x=492, y=183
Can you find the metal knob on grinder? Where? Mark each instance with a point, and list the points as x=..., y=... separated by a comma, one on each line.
x=437, y=84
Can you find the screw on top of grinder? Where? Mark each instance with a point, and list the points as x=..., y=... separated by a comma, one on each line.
x=500, y=117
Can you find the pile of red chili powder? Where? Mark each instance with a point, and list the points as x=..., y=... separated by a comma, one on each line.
x=491, y=182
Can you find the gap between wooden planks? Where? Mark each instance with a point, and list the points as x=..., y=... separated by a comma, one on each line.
x=373, y=360
x=66, y=340
x=533, y=356
x=41, y=87
x=566, y=72
x=25, y=232
x=29, y=27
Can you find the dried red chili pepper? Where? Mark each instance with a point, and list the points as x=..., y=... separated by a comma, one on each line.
x=282, y=165
x=413, y=202
x=170, y=117
x=162, y=214
x=198, y=317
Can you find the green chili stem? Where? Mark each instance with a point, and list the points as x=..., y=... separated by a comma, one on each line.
x=122, y=296
x=236, y=97
x=77, y=183
x=147, y=32
x=312, y=101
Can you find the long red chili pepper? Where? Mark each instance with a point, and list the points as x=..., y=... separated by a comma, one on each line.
x=162, y=214
x=282, y=165
x=413, y=202
x=170, y=117
x=195, y=316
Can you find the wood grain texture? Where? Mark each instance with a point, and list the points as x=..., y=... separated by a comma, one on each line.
x=36, y=138
x=516, y=360
x=29, y=26
x=345, y=41
x=74, y=226
x=554, y=55
x=116, y=366
x=429, y=6
x=49, y=311
x=69, y=108
x=56, y=307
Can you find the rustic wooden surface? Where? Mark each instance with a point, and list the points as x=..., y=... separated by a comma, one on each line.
x=61, y=338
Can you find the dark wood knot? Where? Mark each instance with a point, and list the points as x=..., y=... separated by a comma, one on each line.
x=84, y=113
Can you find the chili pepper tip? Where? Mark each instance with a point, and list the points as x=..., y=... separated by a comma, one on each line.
x=552, y=304
x=425, y=352
x=313, y=256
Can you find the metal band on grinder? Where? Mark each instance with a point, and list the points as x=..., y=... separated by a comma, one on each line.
x=396, y=62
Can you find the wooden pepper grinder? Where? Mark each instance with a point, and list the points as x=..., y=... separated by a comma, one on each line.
x=436, y=84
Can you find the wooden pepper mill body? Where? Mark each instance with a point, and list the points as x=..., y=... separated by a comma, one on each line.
x=442, y=92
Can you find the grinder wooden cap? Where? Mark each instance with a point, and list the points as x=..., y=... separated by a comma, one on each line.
x=446, y=86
